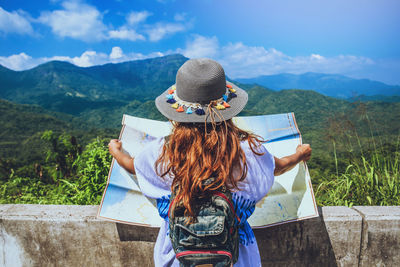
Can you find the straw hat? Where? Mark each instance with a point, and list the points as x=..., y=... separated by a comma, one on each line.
x=201, y=94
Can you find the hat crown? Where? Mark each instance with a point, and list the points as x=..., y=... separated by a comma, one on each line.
x=200, y=81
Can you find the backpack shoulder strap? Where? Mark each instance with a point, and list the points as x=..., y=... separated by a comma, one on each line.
x=219, y=194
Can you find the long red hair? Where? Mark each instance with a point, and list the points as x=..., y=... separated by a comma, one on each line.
x=195, y=152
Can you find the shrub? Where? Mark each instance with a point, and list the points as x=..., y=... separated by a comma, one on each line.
x=85, y=185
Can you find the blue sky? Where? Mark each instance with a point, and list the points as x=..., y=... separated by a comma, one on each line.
x=357, y=38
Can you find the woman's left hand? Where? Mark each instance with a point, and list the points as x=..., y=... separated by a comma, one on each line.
x=304, y=152
x=124, y=160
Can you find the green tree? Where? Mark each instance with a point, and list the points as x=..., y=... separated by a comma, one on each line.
x=93, y=166
x=63, y=151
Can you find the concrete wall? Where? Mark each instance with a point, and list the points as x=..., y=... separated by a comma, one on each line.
x=57, y=235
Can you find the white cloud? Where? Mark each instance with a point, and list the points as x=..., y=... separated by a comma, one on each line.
x=135, y=18
x=88, y=58
x=317, y=57
x=180, y=16
x=200, y=46
x=15, y=22
x=116, y=53
x=242, y=61
x=238, y=60
x=129, y=30
x=18, y=62
x=160, y=30
x=76, y=20
x=23, y=61
x=125, y=34
x=82, y=21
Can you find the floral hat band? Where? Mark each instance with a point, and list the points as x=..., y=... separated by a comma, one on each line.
x=189, y=107
x=201, y=94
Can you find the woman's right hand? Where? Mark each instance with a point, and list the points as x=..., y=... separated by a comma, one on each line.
x=114, y=147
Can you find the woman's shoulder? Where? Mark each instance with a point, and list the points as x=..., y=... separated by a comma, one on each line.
x=260, y=172
x=150, y=183
x=154, y=142
x=258, y=156
x=149, y=152
x=249, y=150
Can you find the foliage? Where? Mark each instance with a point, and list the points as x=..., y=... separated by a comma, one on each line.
x=22, y=148
x=92, y=171
x=370, y=182
x=354, y=144
x=64, y=151
x=25, y=190
x=84, y=185
x=369, y=169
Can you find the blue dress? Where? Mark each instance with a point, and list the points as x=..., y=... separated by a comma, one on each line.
x=253, y=188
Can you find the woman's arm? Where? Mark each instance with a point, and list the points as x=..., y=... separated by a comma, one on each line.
x=123, y=159
x=282, y=165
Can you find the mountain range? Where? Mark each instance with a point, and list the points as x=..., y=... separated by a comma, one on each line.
x=327, y=84
x=99, y=95
x=62, y=86
x=60, y=96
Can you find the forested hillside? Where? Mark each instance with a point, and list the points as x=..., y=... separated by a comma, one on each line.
x=64, y=87
x=72, y=112
x=22, y=127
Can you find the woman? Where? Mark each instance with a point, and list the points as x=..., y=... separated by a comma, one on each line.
x=205, y=143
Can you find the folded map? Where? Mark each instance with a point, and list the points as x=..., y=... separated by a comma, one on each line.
x=291, y=197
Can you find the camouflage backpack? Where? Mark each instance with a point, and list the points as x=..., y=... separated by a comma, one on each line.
x=212, y=239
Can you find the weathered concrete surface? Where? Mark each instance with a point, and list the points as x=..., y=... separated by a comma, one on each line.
x=333, y=239
x=58, y=235
x=380, y=235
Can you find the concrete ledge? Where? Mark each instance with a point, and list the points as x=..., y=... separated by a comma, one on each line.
x=333, y=239
x=58, y=235
x=380, y=238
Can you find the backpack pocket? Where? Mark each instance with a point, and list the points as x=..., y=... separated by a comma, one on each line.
x=206, y=232
x=215, y=258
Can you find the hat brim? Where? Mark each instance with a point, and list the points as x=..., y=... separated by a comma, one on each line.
x=236, y=105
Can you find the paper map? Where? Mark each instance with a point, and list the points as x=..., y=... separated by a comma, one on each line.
x=291, y=198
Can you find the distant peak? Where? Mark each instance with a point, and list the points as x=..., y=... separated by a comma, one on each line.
x=4, y=68
x=57, y=63
x=170, y=57
x=175, y=56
